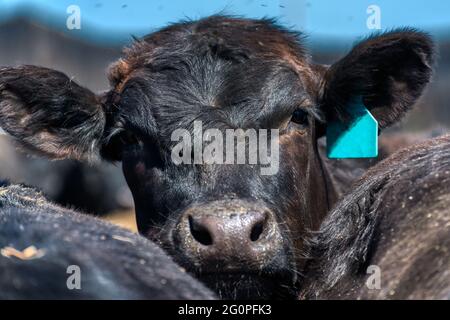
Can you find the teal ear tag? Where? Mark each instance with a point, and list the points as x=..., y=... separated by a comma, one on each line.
x=358, y=139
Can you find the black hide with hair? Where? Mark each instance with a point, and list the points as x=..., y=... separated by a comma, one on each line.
x=114, y=263
x=396, y=217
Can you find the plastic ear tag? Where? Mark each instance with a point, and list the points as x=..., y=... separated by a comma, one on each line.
x=358, y=139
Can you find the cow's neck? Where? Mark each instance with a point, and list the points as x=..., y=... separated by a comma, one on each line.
x=326, y=187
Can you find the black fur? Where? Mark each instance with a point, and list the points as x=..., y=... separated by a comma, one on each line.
x=50, y=114
x=114, y=263
x=388, y=70
x=396, y=217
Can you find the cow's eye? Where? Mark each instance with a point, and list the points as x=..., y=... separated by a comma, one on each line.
x=128, y=138
x=300, y=116
x=115, y=147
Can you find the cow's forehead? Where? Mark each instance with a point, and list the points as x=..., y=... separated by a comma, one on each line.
x=225, y=72
x=230, y=38
x=220, y=94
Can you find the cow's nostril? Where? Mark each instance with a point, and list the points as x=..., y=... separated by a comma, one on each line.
x=257, y=230
x=199, y=232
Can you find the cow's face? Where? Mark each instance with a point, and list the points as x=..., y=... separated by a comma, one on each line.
x=225, y=218
x=238, y=226
x=230, y=223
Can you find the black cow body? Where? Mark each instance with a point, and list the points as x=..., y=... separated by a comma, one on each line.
x=397, y=218
x=114, y=263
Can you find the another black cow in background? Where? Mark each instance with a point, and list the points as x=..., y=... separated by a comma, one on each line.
x=114, y=263
x=396, y=218
x=98, y=189
x=241, y=232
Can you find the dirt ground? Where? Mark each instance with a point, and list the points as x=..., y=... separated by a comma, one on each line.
x=124, y=219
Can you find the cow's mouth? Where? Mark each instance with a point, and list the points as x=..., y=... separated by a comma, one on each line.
x=250, y=286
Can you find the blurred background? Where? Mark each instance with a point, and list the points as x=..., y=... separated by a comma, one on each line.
x=82, y=37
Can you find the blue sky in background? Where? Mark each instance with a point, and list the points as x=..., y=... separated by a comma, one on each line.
x=114, y=21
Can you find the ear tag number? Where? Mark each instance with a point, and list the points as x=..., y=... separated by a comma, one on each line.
x=357, y=139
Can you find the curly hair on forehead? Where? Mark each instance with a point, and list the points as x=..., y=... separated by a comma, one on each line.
x=224, y=37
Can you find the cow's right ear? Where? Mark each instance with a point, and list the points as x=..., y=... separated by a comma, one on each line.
x=49, y=114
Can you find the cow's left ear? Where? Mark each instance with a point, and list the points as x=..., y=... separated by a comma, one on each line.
x=49, y=114
x=388, y=71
